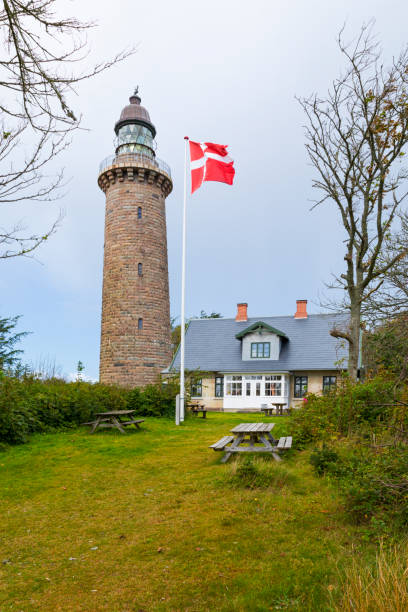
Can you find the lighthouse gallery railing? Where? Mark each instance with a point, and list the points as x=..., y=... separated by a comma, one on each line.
x=134, y=158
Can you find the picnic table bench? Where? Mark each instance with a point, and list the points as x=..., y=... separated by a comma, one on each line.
x=221, y=444
x=285, y=443
x=252, y=438
x=114, y=419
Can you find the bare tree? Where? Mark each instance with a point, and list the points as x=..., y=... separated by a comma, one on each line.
x=391, y=299
x=355, y=139
x=41, y=62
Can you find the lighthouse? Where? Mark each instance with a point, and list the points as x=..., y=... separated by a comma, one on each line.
x=135, y=331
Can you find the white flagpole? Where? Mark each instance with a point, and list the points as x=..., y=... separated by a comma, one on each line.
x=183, y=287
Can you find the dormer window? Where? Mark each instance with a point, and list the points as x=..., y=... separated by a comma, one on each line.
x=260, y=350
x=261, y=341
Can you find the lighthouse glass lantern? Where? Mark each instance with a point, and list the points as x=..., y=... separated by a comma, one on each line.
x=133, y=138
x=134, y=131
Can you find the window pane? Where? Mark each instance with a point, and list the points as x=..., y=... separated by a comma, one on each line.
x=276, y=389
x=196, y=388
x=260, y=350
x=219, y=386
x=300, y=386
x=329, y=383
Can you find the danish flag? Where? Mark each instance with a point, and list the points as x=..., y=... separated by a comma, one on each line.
x=210, y=162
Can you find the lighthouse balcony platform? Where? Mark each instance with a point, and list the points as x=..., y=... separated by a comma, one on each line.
x=135, y=159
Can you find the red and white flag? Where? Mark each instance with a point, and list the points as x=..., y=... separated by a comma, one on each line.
x=210, y=162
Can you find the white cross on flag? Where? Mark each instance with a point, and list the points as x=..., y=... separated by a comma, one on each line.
x=210, y=162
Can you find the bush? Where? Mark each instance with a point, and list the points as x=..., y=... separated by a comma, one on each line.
x=324, y=459
x=16, y=420
x=29, y=405
x=153, y=400
x=259, y=474
x=351, y=407
x=375, y=487
x=364, y=447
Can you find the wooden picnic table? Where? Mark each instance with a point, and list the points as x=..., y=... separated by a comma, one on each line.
x=115, y=418
x=196, y=408
x=247, y=435
x=278, y=407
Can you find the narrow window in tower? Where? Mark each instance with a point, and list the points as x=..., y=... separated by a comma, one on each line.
x=139, y=212
x=140, y=269
x=140, y=324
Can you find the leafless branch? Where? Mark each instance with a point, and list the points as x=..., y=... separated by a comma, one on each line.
x=42, y=60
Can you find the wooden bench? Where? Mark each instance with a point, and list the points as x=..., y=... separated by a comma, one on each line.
x=221, y=444
x=284, y=443
x=93, y=422
x=136, y=422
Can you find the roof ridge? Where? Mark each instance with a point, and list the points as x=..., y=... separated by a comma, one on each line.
x=259, y=318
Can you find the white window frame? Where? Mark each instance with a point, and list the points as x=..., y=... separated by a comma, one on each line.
x=259, y=385
x=233, y=386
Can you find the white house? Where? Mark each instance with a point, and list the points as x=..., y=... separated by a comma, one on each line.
x=247, y=363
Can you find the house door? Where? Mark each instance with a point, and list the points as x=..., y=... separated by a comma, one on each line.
x=253, y=387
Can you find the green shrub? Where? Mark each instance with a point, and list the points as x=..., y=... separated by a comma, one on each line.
x=28, y=404
x=351, y=407
x=153, y=400
x=253, y=473
x=323, y=459
x=16, y=419
x=375, y=487
x=373, y=483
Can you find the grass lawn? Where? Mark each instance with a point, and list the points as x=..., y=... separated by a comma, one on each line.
x=150, y=521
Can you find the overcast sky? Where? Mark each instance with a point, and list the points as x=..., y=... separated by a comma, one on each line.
x=223, y=71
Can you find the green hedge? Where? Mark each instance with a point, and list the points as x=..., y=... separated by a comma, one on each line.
x=29, y=405
x=360, y=435
x=351, y=407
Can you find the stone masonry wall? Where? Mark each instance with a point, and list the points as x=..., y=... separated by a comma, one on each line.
x=131, y=356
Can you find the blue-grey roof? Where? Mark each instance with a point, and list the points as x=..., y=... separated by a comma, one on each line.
x=211, y=345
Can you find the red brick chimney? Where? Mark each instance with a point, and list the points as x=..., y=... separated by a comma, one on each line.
x=301, y=312
x=242, y=314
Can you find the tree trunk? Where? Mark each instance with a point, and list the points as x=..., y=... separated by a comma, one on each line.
x=354, y=345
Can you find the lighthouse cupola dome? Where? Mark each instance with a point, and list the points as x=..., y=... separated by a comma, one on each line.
x=135, y=132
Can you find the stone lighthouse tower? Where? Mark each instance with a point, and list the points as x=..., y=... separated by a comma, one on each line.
x=135, y=337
